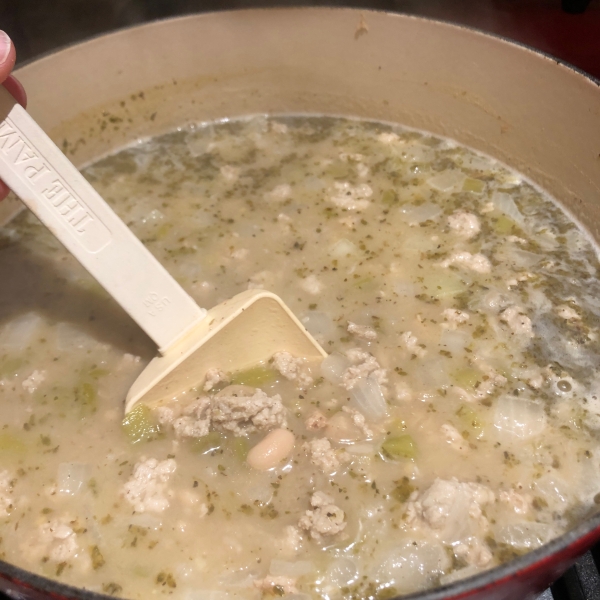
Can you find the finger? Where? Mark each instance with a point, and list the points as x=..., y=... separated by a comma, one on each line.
x=14, y=86
x=7, y=62
x=3, y=190
x=7, y=56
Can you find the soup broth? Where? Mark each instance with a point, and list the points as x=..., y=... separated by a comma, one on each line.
x=453, y=427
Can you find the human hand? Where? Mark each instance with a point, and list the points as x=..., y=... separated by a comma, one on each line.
x=7, y=62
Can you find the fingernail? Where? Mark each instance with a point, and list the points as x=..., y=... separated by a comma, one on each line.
x=5, y=45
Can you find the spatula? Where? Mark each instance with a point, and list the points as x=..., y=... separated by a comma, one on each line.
x=235, y=335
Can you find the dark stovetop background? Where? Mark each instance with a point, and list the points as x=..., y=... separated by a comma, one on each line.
x=567, y=29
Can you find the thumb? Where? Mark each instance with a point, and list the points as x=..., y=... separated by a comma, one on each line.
x=7, y=56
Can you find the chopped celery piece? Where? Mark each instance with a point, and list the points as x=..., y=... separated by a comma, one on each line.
x=10, y=366
x=365, y=283
x=467, y=378
x=86, y=397
x=162, y=231
x=97, y=373
x=239, y=447
x=389, y=197
x=208, y=443
x=11, y=444
x=400, y=446
x=503, y=225
x=473, y=185
x=470, y=418
x=254, y=377
x=139, y=425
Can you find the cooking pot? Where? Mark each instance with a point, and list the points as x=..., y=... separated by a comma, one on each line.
x=536, y=114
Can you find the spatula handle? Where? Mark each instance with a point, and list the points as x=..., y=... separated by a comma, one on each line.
x=54, y=190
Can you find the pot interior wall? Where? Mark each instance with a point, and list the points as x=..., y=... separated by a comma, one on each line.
x=523, y=108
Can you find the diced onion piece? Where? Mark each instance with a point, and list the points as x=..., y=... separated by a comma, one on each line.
x=342, y=571
x=516, y=257
x=333, y=367
x=360, y=449
x=71, y=338
x=554, y=490
x=475, y=162
x=413, y=242
x=506, y=205
x=454, y=341
x=297, y=568
x=367, y=397
x=416, y=153
x=207, y=595
x=525, y=536
x=260, y=492
x=318, y=323
x=405, y=289
x=412, y=566
x=208, y=443
x=435, y=371
x=19, y=333
x=341, y=428
x=342, y=249
x=72, y=477
x=146, y=520
x=447, y=181
x=419, y=214
x=518, y=417
x=459, y=574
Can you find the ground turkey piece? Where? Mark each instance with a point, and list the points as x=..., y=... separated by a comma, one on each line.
x=454, y=317
x=464, y=224
x=195, y=421
x=322, y=455
x=519, y=323
x=243, y=410
x=365, y=365
x=452, y=510
x=291, y=541
x=411, y=343
x=60, y=540
x=476, y=262
x=292, y=368
x=317, y=420
x=351, y=197
x=362, y=331
x=6, y=500
x=146, y=489
x=454, y=438
x=213, y=376
x=33, y=382
x=325, y=520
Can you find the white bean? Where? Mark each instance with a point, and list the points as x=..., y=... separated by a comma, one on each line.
x=271, y=450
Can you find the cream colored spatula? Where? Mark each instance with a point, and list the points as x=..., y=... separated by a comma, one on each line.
x=235, y=335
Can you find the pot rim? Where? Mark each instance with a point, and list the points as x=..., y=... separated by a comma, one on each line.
x=188, y=15
x=572, y=543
